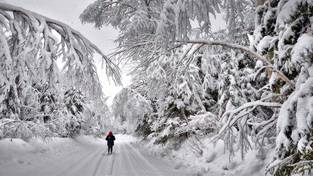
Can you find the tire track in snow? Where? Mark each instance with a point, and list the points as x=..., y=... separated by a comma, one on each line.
x=71, y=164
x=141, y=166
x=105, y=164
x=68, y=169
x=125, y=162
x=154, y=166
x=112, y=164
x=141, y=159
x=98, y=164
x=81, y=161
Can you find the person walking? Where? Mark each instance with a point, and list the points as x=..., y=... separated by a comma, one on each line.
x=110, y=142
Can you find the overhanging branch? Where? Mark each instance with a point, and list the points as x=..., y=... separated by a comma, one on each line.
x=242, y=48
x=73, y=43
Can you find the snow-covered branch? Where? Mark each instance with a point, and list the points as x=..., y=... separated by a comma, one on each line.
x=59, y=39
x=242, y=48
x=233, y=116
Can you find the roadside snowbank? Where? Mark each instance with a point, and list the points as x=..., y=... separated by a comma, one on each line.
x=213, y=160
x=36, y=149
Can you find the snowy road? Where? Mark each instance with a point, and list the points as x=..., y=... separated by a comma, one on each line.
x=82, y=159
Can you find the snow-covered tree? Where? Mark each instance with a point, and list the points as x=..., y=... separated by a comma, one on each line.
x=129, y=108
x=182, y=76
x=184, y=73
x=284, y=35
x=150, y=28
x=74, y=102
x=31, y=88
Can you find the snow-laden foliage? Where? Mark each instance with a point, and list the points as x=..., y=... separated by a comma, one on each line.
x=184, y=79
x=284, y=35
x=149, y=28
x=225, y=86
x=74, y=102
x=32, y=85
x=239, y=20
x=129, y=109
x=253, y=96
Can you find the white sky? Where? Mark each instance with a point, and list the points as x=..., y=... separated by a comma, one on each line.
x=68, y=11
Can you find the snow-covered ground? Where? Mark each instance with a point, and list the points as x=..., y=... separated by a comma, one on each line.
x=215, y=160
x=82, y=156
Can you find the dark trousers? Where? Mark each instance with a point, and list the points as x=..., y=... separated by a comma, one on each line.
x=110, y=148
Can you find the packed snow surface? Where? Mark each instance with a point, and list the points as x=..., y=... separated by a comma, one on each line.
x=82, y=156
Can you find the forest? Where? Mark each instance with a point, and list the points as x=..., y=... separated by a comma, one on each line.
x=239, y=94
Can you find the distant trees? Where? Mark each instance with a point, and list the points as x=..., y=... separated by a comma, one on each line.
x=129, y=109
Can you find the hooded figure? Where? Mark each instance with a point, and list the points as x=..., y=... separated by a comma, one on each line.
x=110, y=141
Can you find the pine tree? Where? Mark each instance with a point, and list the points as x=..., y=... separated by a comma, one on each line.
x=284, y=35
